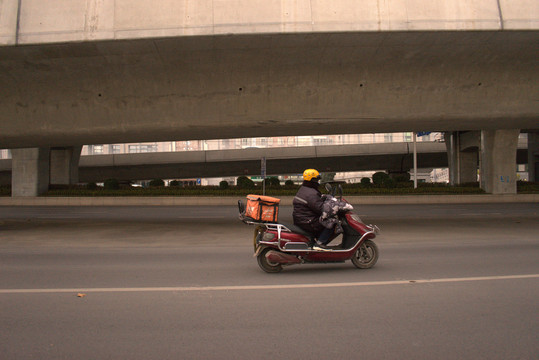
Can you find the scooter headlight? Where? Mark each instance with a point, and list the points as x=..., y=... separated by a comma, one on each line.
x=268, y=236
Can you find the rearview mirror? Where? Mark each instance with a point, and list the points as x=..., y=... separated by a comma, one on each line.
x=328, y=187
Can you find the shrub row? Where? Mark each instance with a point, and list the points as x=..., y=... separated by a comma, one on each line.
x=399, y=188
x=526, y=187
x=5, y=190
x=272, y=191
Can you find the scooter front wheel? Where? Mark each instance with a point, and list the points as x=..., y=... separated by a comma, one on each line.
x=266, y=265
x=366, y=255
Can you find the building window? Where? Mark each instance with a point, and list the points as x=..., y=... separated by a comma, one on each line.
x=408, y=137
x=321, y=141
x=142, y=148
x=97, y=149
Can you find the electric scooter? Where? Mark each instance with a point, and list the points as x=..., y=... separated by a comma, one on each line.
x=280, y=244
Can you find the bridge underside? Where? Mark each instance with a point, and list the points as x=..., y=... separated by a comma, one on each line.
x=206, y=87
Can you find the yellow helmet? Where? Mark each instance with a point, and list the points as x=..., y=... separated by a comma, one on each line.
x=310, y=174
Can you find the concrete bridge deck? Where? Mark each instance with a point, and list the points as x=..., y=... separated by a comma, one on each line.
x=133, y=71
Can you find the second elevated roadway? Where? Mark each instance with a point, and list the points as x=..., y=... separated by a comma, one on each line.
x=283, y=160
x=236, y=162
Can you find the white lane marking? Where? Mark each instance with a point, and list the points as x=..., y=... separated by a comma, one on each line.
x=266, y=287
x=479, y=214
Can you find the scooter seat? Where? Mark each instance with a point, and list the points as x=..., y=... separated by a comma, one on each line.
x=299, y=230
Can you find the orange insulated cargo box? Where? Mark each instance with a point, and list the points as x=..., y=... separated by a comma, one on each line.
x=262, y=208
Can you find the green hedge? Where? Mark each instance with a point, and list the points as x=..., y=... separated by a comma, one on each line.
x=5, y=190
x=287, y=190
x=401, y=188
x=525, y=187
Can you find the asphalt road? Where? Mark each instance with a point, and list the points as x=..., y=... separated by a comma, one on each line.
x=452, y=282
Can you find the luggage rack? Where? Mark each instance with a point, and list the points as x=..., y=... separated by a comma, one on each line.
x=250, y=221
x=268, y=225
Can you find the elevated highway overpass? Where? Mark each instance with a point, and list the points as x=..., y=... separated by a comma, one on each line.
x=87, y=71
x=394, y=157
x=222, y=163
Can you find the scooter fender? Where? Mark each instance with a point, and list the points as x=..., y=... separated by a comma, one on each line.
x=258, y=249
x=282, y=258
x=366, y=236
x=257, y=237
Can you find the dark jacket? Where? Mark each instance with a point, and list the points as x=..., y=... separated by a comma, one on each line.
x=308, y=204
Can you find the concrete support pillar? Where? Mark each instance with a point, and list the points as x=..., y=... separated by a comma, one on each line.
x=30, y=171
x=462, y=164
x=64, y=165
x=533, y=156
x=452, y=156
x=498, y=161
x=468, y=166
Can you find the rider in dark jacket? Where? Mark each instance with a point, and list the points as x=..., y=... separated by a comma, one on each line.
x=308, y=204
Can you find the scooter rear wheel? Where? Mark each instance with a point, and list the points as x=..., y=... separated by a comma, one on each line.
x=366, y=255
x=267, y=266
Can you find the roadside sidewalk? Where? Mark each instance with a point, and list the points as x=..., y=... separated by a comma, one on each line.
x=285, y=200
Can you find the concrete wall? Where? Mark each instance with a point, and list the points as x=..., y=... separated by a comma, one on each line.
x=41, y=21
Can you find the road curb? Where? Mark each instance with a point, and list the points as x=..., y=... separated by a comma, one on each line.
x=285, y=200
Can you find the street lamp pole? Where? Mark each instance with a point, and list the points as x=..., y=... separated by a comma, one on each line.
x=415, y=160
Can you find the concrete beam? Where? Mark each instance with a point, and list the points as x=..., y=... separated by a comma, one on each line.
x=498, y=165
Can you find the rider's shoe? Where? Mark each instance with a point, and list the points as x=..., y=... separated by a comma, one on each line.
x=319, y=246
